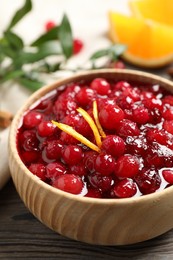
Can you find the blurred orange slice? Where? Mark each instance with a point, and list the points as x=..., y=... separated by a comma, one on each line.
x=157, y=10
x=149, y=43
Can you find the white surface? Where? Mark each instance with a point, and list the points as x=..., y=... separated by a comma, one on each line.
x=89, y=22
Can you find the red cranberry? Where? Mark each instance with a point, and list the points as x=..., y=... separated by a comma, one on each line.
x=72, y=154
x=168, y=175
x=46, y=128
x=159, y=156
x=101, y=86
x=168, y=126
x=77, y=46
x=89, y=160
x=39, y=170
x=49, y=25
x=127, y=128
x=64, y=107
x=157, y=135
x=148, y=181
x=140, y=115
x=69, y=183
x=168, y=100
x=98, y=181
x=29, y=156
x=104, y=164
x=93, y=193
x=53, y=149
x=127, y=166
x=28, y=140
x=83, y=128
x=136, y=145
x=122, y=85
x=85, y=96
x=168, y=114
x=68, y=139
x=110, y=116
x=78, y=169
x=54, y=169
x=114, y=145
x=125, y=188
x=32, y=119
x=118, y=65
x=71, y=120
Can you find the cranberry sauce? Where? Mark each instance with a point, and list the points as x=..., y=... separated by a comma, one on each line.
x=136, y=152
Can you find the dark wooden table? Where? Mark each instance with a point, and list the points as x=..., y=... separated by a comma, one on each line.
x=22, y=236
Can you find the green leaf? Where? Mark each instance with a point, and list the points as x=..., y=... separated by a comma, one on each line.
x=50, y=35
x=45, y=50
x=116, y=50
x=32, y=85
x=65, y=37
x=12, y=75
x=13, y=40
x=99, y=54
x=20, y=14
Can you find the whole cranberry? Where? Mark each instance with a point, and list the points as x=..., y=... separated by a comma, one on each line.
x=32, y=119
x=127, y=166
x=125, y=188
x=54, y=169
x=89, y=160
x=110, y=116
x=104, y=164
x=168, y=175
x=39, y=170
x=28, y=140
x=127, y=128
x=53, y=149
x=46, y=128
x=93, y=193
x=148, y=181
x=72, y=154
x=77, y=46
x=101, y=86
x=113, y=145
x=69, y=183
x=98, y=181
x=85, y=96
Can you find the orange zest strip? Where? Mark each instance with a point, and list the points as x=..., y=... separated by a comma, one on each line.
x=69, y=130
x=92, y=124
x=95, y=113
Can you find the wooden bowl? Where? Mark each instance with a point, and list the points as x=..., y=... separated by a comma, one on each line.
x=95, y=221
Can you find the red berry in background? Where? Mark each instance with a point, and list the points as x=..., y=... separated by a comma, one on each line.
x=32, y=119
x=110, y=116
x=39, y=170
x=148, y=181
x=77, y=46
x=72, y=154
x=104, y=164
x=89, y=160
x=125, y=188
x=69, y=183
x=49, y=25
x=54, y=169
x=168, y=175
x=122, y=85
x=113, y=145
x=168, y=114
x=127, y=166
x=101, y=86
x=118, y=65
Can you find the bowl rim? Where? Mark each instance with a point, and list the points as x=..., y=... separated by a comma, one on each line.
x=45, y=90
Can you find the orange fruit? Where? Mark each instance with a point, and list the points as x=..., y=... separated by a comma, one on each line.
x=157, y=10
x=149, y=43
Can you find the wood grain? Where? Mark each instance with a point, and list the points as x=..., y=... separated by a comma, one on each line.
x=22, y=236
